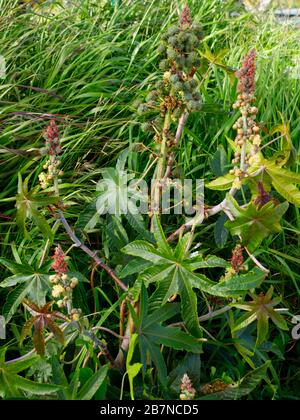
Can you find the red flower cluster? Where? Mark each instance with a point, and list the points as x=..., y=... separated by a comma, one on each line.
x=185, y=18
x=263, y=196
x=246, y=74
x=60, y=265
x=51, y=136
x=237, y=259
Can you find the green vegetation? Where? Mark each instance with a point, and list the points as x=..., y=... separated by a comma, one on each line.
x=152, y=306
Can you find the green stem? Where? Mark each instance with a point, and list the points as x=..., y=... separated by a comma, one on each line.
x=156, y=196
x=243, y=150
x=55, y=179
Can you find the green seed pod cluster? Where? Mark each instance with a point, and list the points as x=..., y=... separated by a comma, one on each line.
x=177, y=91
x=180, y=61
x=147, y=126
x=179, y=47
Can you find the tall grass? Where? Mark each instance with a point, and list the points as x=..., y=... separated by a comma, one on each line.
x=87, y=63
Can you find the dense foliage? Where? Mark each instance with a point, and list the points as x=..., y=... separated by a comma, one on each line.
x=192, y=304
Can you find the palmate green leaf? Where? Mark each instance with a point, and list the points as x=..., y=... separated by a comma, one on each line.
x=284, y=174
x=262, y=327
x=160, y=238
x=282, y=157
x=278, y=320
x=35, y=286
x=219, y=161
x=172, y=337
x=244, y=321
x=189, y=307
x=41, y=222
x=27, y=208
x=146, y=345
x=210, y=261
x=20, y=365
x=239, y=284
x=13, y=300
x=132, y=369
x=172, y=279
x=255, y=224
x=217, y=60
x=242, y=388
x=16, y=268
x=220, y=232
x=13, y=386
x=60, y=379
x=93, y=384
x=181, y=247
x=137, y=222
x=34, y=387
x=173, y=273
x=162, y=314
x=155, y=273
x=157, y=298
x=158, y=334
x=284, y=181
x=289, y=191
x=166, y=270
x=145, y=250
x=260, y=308
x=151, y=334
x=222, y=183
x=134, y=266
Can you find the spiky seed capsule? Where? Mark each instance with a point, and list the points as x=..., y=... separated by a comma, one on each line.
x=142, y=109
x=163, y=65
x=171, y=53
x=188, y=96
x=178, y=86
x=172, y=31
x=146, y=126
x=173, y=41
x=193, y=83
x=174, y=78
x=161, y=49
